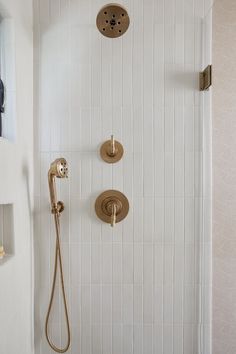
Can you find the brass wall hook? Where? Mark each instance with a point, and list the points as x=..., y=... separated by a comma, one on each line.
x=111, y=151
x=112, y=207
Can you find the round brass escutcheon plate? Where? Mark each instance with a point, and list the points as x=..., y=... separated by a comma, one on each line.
x=104, y=202
x=113, y=20
x=105, y=152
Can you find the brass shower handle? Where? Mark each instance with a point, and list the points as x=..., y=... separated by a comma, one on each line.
x=113, y=215
x=111, y=150
x=113, y=146
x=112, y=207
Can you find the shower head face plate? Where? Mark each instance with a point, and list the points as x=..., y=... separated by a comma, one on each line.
x=113, y=20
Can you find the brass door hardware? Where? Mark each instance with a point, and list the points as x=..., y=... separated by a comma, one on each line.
x=205, y=78
x=112, y=207
x=111, y=151
x=113, y=20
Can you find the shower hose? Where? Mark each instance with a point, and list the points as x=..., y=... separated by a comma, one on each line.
x=58, y=259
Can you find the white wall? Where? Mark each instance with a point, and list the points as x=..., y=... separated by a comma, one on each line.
x=16, y=186
x=143, y=287
x=224, y=221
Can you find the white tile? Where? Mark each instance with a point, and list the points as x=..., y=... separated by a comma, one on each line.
x=138, y=304
x=128, y=263
x=96, y=74
x=159, y=220
x=127, y=73
x=106, y=339
x=167, y=343
x=96, y=254
x=148, y=315
x=117, y=303
x=158, y=263
x=117, y=335
x=169, y=129
x=138, y=263
x=178, y=339
x=179, y=175
x=169, y=220
x=148, y=263
x=138, y=339
x=127, y=304
x=147, y=339
x=128, y=339
x=96, y=340
x=127, y=128
x=148, y=228
x=139, y=175
x=138, y=219
x=107, y=263
x=117, y=263
x=169, y=174
x=159, y=174
x=106, y=304
x=86, y=338
x=85, y=262
x=86, y=304
x=96, y=304
x=168, y=304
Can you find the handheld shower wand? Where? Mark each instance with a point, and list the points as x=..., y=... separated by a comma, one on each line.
x=58, y=169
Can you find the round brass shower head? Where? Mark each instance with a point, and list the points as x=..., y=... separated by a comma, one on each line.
x=113, y=20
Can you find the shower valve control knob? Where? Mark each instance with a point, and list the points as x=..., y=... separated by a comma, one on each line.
x=111, y=151
x=112, y=207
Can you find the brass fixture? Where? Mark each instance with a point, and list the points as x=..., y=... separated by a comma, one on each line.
x=112, y=207
x=113, y=20
x=205, y=78
x=58, y=169
x=2, y=252
x=111, y=151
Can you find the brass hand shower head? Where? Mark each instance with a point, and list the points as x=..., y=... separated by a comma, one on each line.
x=58, y=168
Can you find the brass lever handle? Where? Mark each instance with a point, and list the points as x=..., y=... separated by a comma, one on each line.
x=111, y=151
x=113, y=215
x=113, y=147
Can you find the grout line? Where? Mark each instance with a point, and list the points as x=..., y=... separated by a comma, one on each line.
x=143, y=175
x=164, y=186
x=174, y=204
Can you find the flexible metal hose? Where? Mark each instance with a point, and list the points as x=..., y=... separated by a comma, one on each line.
x=58, y=258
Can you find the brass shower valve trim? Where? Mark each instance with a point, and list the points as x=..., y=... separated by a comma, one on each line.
x=111, y=151
x=111, y=207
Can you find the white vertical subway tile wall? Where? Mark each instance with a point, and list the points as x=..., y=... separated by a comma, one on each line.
x=142, y=287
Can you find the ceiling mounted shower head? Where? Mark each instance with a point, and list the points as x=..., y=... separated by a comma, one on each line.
x=113, y=20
